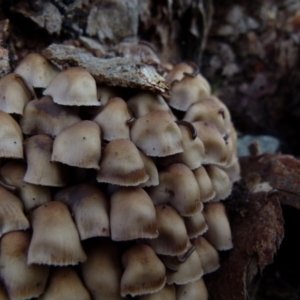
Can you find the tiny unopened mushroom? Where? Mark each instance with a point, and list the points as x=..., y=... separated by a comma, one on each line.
x=219, y=233
x=55, y=239
x=37, y=70
x=43, y=116
x=22, y=281
x=178, y=188
x=209, y=256
x=140, y=221
x=40, y=169
x=113, y=118
x=79, y=145
x=144, y=273
x=64, y=283
x=153, y=140
x=11, y=213
x=121, y=164
x=192, y=291
x=172, y=239
x=89, y=208
x=31, y=195
x=102, y=270
x=73, y=86
x=11, y=137
x=14, y=94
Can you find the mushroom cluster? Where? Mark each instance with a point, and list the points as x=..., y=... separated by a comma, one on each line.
x=109, y=196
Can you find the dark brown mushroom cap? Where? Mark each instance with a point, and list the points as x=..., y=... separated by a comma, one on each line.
x=37, y=70
x=22, y=281
x=156, y=134
x=43, y=116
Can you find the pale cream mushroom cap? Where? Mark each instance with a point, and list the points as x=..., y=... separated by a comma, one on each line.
x=31, y=195
x=22, y=281
x=14, y=94
x=37, y=70
x=43, y=116
x=104, y=93
x=167, y=293
x=79, y=145
x=156, y=134
x=11, y=137
x=209, y=256
x=221, y=182
x=121, y=164
x=73, y=86
x=102, y=270
x=192, y=291
x=89, y=207
x=172, y=239
x=178, y=72
x=195, y=225
x=11, y=213
x=55, y=239
x=145, y=102
x=144, y=273
x=233, y=171
x=205, y=184
x=112, y=120
x=151, y=171
x=178, y=188
x=40, y=169
x=64, y=283
x=219, y=232
x=132, y=215
x=216, y=151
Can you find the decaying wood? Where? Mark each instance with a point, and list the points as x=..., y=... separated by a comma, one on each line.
x=4, y=54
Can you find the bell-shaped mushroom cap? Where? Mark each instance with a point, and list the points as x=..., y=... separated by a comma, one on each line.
x=211, y=110
x=104, y=93
x=156, y=134
x=113, y=118
x=31, y=195
x=121, y=164
x=79, y=145
x=46, y=117
x=37, y=70
x=40, y=170
x=73, y=86
x=14, y=94
x=179, y=72
x=145, y=102
x=64, y=283
x=11, y=137
x=219, y=233
x=183, y=270
x=189, y=90
x=11, y=213
x=193, y=149
x=173, y=238
x=102, y=270
x=144, y=272
x=195, y=225
x=205, y=184
x=221, y=182
x=192, y=291
x=151, y=170
x=179, y=188
x=89, y=208
x=140, y=220
x=22, y=281
x=167, y=293
x=209, y=256
x=216, y=151
x=55, y=239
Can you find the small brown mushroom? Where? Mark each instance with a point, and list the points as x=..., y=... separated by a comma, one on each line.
x=55, y=239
